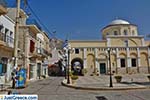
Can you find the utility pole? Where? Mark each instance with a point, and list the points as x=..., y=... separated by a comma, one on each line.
x=16, y=34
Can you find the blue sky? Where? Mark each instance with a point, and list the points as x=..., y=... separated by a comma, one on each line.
x=84, y=19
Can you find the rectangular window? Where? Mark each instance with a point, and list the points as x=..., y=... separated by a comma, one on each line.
x=3, y=65
x=6, y=35
x=32, y=46
x=4, y=68
x=115, y=33
x=122, y=61
x=133, y=62
x=1, y=69
x=11, y=37
x=1, y=28
x=76, y=51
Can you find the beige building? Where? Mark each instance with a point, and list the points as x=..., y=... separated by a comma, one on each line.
x=129, y=52
x=33, y=46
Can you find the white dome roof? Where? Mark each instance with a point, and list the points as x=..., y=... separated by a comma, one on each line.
x=118, y=21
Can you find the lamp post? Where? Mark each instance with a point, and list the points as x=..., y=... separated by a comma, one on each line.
x=110, y=84
x=65, y=60
x=68, y=51
x=65, y=67
x=148, y=60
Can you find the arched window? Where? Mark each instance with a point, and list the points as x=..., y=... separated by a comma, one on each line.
x=133, y=62
x=115, y=33
x=107, y=33
x=133, y=32
x=125, y=32
x=76, y=51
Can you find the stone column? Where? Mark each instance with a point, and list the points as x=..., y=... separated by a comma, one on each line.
x=138, y=60
x=108, y=42
x=84, y=57
x=143, y=42
x=128, y=60
x=118, y=60
x=148, y=60
x=96, y=61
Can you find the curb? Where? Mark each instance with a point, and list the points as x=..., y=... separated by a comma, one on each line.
x=102, y=88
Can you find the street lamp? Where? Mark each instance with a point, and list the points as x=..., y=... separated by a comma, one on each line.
x=66, y=67
x=68, y=51
x=65, y=62
x=110, y=84
x=65, y=59
x=148, y=60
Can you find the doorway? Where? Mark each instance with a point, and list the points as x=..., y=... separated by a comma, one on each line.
x=38, y=70
x=102, y=68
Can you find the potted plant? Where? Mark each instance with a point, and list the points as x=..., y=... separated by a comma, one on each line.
x=118, y=78
x=43, y=76
x=74, y=77
x=84, y=71
x=148, y=77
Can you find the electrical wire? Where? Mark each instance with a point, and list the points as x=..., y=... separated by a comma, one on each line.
x=40, y=21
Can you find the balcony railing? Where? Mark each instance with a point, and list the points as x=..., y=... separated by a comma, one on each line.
x=42, y=51
x=7, y=39
x=122, y=48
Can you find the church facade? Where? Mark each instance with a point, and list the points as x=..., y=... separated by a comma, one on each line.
x=121, y=48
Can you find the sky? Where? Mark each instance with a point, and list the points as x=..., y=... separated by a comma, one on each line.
x=84, y=19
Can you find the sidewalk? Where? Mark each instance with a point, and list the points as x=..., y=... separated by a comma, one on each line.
x=136, y=81
x=7, y=86
x=4, y=87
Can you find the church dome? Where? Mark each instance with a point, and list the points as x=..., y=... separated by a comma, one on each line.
x=119, y=21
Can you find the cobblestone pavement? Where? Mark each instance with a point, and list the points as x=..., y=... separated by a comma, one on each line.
x=51, y=89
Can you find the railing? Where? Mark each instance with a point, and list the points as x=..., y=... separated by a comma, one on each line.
x=7, y=39
x=122, y=48
x=42, y=51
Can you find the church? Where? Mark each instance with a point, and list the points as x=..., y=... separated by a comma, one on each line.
x=121, y=48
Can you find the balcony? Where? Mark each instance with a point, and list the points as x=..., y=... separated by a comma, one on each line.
x=3, y=9
x=42, y=52
x=33, y=22
x=39, y=53
x=6, y=40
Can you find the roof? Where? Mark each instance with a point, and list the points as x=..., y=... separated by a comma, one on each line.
x=119, y=21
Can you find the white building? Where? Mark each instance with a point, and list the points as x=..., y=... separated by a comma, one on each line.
x=6, y=47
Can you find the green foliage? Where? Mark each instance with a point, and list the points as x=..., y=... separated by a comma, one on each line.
x=71, y=73
x=92, y=74
x=148, y=76
x=74, y=77
x=118, y=78
x=84, y=71
x=43, y=76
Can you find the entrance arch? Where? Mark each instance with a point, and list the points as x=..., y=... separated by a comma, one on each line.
x=77, y=66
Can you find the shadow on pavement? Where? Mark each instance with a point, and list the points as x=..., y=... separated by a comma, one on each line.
x=101, y=98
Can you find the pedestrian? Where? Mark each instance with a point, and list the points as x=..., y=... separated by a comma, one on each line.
x=13, y=80
x=9, y=92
